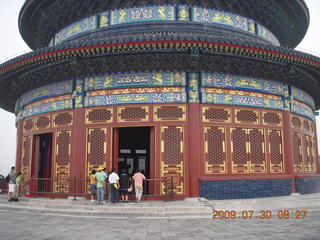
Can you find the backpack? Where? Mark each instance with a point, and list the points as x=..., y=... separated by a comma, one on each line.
x=8, y=178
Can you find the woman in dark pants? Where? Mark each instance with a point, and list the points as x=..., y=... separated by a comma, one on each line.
x=124, y=185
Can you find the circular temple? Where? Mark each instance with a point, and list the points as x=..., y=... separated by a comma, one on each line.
x=207, y=94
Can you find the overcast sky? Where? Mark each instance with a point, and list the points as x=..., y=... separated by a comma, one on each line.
x=12, y=45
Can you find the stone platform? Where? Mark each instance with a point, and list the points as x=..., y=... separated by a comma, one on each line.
x=188, y=208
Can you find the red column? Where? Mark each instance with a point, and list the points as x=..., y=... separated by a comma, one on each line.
x=316, y=150
x=19, y=146
x=78, y=143
x=115, y=155
x=288, y=147
x=193, y=90
x=194, y=148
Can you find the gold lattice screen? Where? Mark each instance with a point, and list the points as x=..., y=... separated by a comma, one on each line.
x=26, y=150
x=62, y=161
x=248, y=150
x=172, y=157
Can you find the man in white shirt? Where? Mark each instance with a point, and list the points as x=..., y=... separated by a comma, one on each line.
x=114, y=183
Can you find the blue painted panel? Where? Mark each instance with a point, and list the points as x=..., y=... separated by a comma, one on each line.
x=223, y=80
x=55, y=89
x=144, y=79
x=302, y=96
x=308, y=185
x=237, y=189
x=142, y=14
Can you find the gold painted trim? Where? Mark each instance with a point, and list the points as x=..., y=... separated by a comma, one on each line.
x=300, y=119
x=299, y=166
x=179, y=106
x=181, y=188
x=270, y=124
x=56, y=149
x=88, y=110
x=120, y=109
x=247, y=122
x=204, y=108
x=37, y=118
x=207, y=165
x=24, y=124
x=54, y=115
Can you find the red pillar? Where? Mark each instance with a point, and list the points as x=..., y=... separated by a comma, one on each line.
x=288, y=147
x=194, y=148
x=115, y=156
x=19, y=146
x=193, y=80
x=78, y=143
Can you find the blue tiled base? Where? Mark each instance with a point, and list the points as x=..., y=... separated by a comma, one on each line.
x=308, y=185
x=253, y=188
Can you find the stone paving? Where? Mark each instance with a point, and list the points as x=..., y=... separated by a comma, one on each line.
x=21, y=225
x=16, y=223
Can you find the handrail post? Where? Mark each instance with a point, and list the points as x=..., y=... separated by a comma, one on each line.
x=166, y=188
x=172, y=192
x=74, y=188
x=51, y=186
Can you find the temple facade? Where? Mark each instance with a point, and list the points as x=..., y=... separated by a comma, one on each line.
x=209, y=93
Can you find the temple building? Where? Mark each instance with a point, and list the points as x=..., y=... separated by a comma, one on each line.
x=209, y=93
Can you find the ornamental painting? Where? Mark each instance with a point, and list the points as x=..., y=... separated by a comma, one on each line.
x=223, y=80
x=84, y=25
x=144, y=79
x=158, y=13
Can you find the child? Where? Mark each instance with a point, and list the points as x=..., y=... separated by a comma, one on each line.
x=93, y=185
x=19, y=182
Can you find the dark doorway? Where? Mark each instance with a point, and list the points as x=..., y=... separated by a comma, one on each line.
x=42, y=161
x=134, y=150
x=45, y=153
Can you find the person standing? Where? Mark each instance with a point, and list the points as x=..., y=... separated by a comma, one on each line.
x=100, y=177
x=124, y=185
x=93, y=184
x=104, y=172
x=1, y=182
x=19, y=182
x=114, y=183
x=138, y=178
x=12, y=184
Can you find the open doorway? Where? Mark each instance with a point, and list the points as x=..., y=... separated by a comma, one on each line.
x=134, y=150
x=42, y=161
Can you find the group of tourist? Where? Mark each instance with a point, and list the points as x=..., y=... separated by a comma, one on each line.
x=100, y=180
x=14, y=184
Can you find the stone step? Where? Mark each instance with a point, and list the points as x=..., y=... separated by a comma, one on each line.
x=81, y=202
x=112, y=212
x=86, y=208
x=113, y=207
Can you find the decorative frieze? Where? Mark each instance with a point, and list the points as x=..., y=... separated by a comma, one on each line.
x=144, y=79
x=302, y=96
x=160, y=14
x=241, y=98
x=55, y=89
x=228, y=81
x=302, y=109
x=87, y=24
x=142, y=14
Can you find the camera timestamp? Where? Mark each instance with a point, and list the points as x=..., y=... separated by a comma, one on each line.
x=259, y=214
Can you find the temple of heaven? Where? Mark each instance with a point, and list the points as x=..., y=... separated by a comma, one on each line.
x=209, y=93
